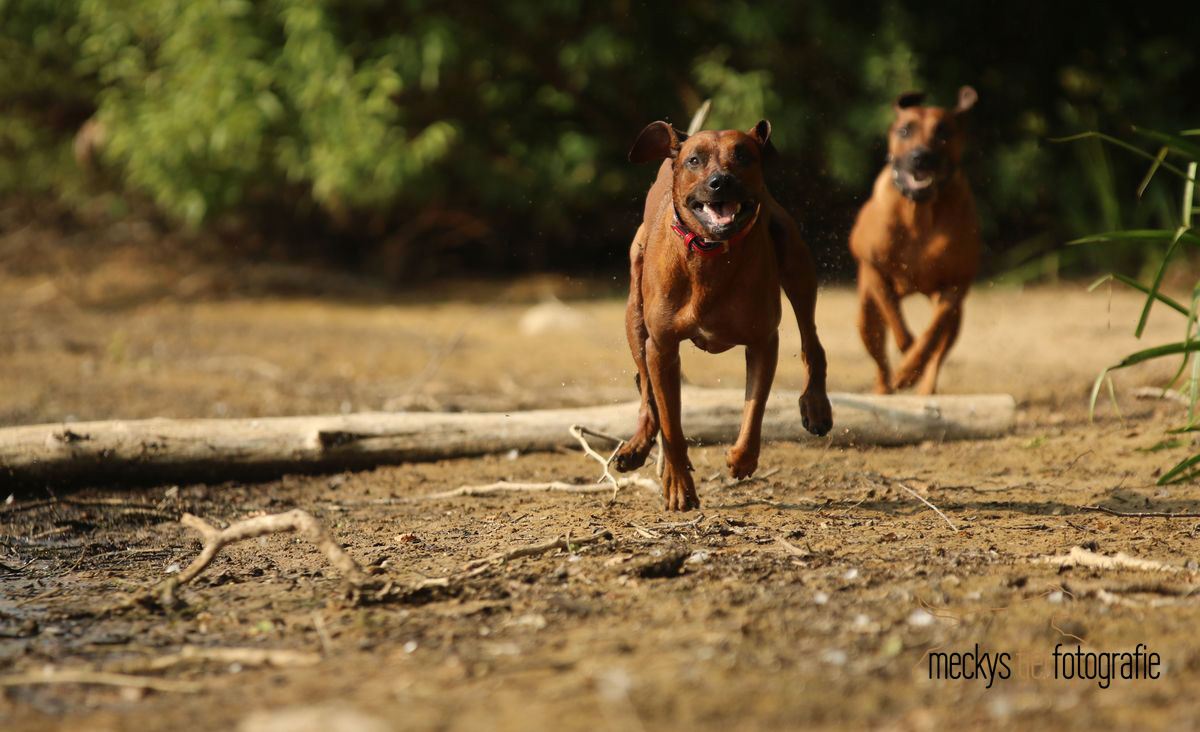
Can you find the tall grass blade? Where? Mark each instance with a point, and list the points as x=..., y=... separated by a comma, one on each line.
x=1188, y=236
x=1189, y=195
x=1187, y=148
x=1121, y=144
x=1158, y=278
x=1157, y=352
x=1158, y=160
x=1176, y=474
x=1164, y=299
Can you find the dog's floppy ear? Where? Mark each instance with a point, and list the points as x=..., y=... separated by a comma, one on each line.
x=762, y=133
x=909, y=99
x=657, y=141
x=967, y=96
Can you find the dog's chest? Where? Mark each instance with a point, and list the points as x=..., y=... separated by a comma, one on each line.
x=707, y=340
x=717, y=324
x=923, y=259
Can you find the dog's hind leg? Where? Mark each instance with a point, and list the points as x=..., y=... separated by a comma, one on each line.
x=632, y=454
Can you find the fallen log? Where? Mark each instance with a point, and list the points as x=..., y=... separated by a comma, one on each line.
x=201, y=450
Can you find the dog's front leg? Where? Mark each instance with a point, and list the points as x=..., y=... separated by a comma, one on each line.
x=873, y=281
x=928, y=352
x=799, y=280
x=761, y=359
x=662, y=361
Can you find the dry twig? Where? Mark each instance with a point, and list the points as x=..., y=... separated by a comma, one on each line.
x=118, y=505
x=921, y=498
x=531, y=550
x=1154, y=392
x=644, y=532
x=580, y=433
x=503, y=486
x=870, y=478
x=557, y=486
x=277, y=658
x=790, y=548
x=478, y=566
x=296, y=520
x=1144, y=514
x=103, y=678
x=811, y=506
x=1080, y=557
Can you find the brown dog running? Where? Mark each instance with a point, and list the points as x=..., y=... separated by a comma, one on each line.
x=917, y=233
x=706, y=265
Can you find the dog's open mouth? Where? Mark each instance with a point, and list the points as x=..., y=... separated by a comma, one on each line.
x=717, y=216
x=915, y=184
x=914, y=180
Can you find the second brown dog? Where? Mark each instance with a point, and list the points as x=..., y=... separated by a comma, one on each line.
x=918, y=233
x=706, y=265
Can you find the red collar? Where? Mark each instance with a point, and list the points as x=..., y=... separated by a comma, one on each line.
x=696, y=243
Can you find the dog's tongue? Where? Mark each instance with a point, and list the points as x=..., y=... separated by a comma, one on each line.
x=721, y=214
x=917, y=180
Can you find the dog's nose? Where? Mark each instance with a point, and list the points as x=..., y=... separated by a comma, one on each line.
x=719, y=180
x=924, y=158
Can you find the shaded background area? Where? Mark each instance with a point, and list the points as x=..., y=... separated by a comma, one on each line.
x=412, y=140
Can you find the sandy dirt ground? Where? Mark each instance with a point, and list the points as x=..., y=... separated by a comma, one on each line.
x=788, y=601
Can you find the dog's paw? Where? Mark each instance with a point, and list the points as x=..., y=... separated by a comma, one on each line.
x=631, y=457
x=905, y=378
x=679, y=492
x=815, y=413
x=742, y=462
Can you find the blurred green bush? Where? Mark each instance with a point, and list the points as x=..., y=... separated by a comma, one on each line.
x=422, y=137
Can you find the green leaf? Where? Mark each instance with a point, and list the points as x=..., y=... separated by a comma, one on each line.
x=1177, y=144
x=1121, y=144
x=1164, y=299
x=1188, y=237
x=1158, y=278
x=1096, y=392
x=1158, y=159
x=1189, y=194
x=1148, y=354
x=1177, y=473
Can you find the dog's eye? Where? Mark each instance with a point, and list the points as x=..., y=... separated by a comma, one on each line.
x=904, y=131
x=741, y=156
x=692, y=162
x=941, y=132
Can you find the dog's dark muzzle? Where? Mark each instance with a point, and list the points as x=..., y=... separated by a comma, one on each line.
x=917, y=174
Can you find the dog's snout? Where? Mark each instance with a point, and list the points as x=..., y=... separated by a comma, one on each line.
x=720, y=181
x=924, y=158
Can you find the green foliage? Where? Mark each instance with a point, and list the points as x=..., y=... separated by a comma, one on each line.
x=1180, y=156
x=209, y=102
x=438, y=125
